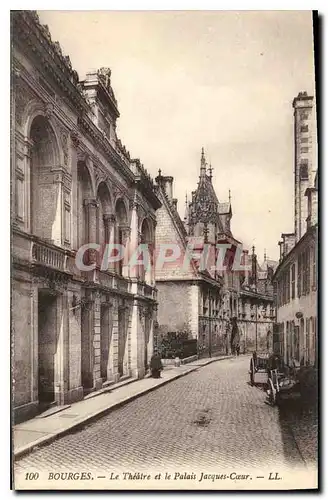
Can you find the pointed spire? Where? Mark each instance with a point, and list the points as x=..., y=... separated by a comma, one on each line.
x=265, y=256
x=202, y=164
x=253, y=249
x=186, y=216
x=229, y=196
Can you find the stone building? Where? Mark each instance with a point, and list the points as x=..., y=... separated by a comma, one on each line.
x=73, y=183
x=295, y=278
x=189, y=298
x=203, y=301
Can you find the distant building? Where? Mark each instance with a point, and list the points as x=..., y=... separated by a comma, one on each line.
x=203, y=302
x=295, y=278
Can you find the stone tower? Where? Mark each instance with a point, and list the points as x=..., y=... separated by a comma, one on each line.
x=304, y=160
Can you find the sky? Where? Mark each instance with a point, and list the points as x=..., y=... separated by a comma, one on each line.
x=222, y=80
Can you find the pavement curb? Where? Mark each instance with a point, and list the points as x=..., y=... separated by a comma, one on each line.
x=76, y=426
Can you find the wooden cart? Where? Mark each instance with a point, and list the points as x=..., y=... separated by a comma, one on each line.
x=293, y=382
x=258, y=365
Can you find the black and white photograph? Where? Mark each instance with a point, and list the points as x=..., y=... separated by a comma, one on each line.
x=164, y=250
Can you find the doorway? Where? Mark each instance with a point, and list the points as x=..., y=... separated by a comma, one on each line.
x=47, y=343
x=122, y=334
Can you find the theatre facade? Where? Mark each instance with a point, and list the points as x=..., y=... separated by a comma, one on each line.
x=74, y=330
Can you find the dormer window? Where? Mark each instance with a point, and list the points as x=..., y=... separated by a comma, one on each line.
x=304, y=171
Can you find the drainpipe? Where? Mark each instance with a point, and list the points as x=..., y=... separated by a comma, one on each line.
x=256, y=327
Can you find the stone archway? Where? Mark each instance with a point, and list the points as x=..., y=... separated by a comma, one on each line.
x=46, y=201
x=85, y=198
x=122, y=231
x=146, y=238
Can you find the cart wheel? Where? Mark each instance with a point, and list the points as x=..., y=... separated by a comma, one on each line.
x=272, y=393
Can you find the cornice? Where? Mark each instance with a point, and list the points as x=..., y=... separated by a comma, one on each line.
x=310, y=235
x=90, y=129
x=35, y=39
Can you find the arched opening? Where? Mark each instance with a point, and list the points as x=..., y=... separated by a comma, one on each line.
x=145, y=269
x=104, y=209
x=121, y=228
x=269, y=341
x=84, y=194
x=45, y=195
x=86, y=226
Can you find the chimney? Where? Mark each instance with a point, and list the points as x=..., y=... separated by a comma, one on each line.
x=312, y=218
x=166, y=182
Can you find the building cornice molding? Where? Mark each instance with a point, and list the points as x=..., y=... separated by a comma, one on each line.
x=310, y=235
x=34, y=39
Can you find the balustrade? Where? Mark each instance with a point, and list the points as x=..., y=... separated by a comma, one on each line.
x=42, y=254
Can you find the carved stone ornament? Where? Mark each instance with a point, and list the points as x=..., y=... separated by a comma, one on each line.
x=99, y=175
x=64, y=141
x=76, y=139
x=49, y=109
x=105, y=74
x=22, y=97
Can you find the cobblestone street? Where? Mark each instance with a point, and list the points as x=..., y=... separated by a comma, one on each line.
x=209, y=418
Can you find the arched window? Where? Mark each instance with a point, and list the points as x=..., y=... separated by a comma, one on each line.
x=44, y=193
x=121, y=230
x=145, y=270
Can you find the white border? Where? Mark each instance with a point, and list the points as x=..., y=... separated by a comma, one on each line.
x=5, y=177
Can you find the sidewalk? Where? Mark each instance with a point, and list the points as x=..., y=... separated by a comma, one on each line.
x=43, y=429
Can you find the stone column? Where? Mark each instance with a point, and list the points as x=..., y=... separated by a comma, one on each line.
x=151, y=323
x=75, y=208
x=152, y=258
x=28, y=144
x=110, y=341
x=114, y=343
x=137, y=368
x=61, y=356
x=34, y=342
x=134, y=239
x=97, y=380
x=126, y=231
x=90, y=206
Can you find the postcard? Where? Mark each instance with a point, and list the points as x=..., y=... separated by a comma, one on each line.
x=164, y=225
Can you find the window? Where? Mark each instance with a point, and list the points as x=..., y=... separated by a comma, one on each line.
x=304, y=140
x=308, y=270
x=314, y=270
x=304, y=116
x=303, y=273
x=305, y=150
x=293, y=281
x=304, y=171
x=299, y=276
x=288, y=285
x=284, y=294
x=304, y=128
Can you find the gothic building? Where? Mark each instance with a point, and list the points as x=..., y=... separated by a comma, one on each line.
x=204, y=300
x=74, y=330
